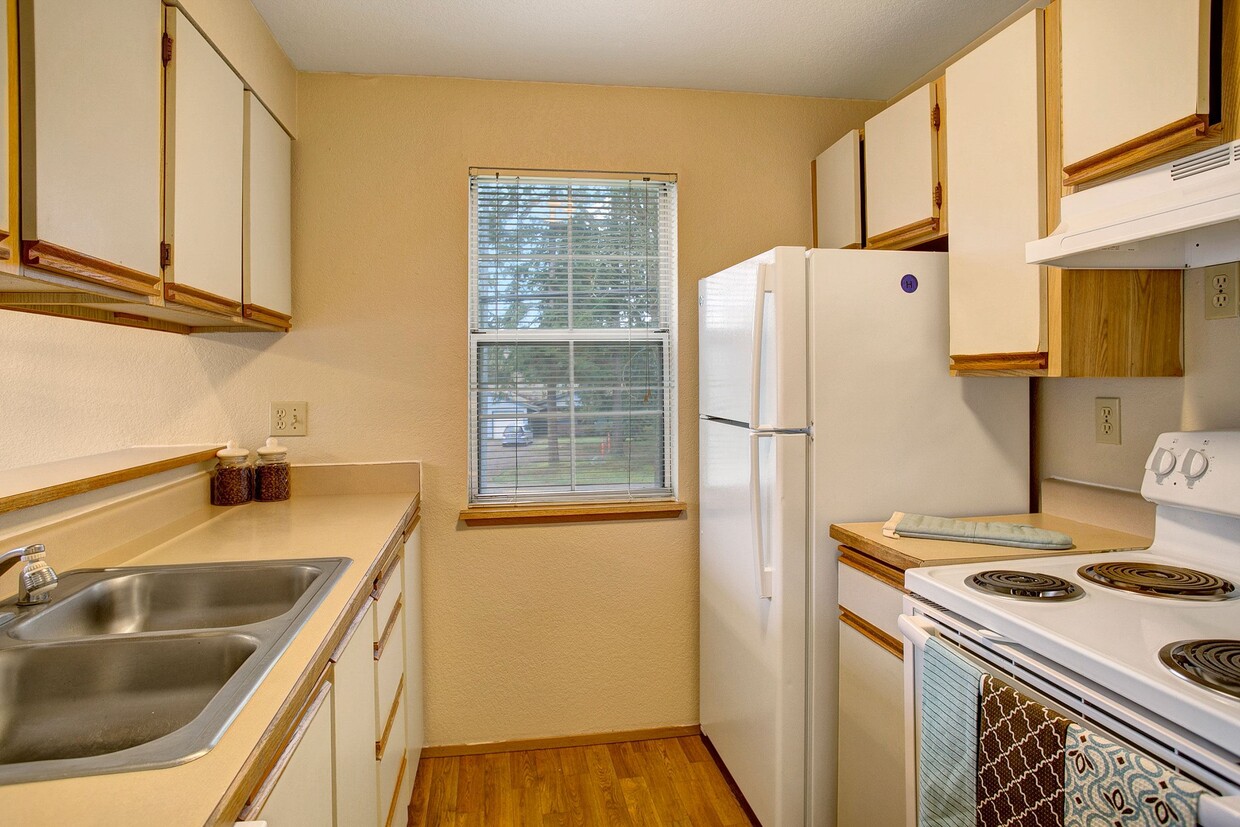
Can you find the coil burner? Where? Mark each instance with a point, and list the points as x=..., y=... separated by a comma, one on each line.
x=1157, y=580
x=1212, y=663
x=1024, y=585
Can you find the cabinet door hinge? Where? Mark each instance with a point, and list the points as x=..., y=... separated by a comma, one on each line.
x=938, y=195
x=167, y=49
x=934, y=115
x=165, y=254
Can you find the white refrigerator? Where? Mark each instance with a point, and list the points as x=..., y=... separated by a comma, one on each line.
x=824, y=397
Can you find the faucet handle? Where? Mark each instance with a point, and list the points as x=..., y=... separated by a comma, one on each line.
x=38, y=578
x=34, y=553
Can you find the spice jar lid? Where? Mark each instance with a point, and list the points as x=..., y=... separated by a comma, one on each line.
x=273, y=450
x=231, y=453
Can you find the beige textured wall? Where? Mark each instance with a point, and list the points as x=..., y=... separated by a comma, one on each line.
x=530, y=631
x=240, y=33
x=1207, y=397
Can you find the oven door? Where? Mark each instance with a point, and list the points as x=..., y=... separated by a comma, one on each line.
x=1065, y=694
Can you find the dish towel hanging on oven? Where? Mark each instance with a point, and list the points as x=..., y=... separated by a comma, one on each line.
x=1109, y=785
x=947, y=753
x=1020, y=755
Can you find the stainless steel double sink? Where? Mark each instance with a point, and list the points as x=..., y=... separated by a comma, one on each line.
x=143, y=667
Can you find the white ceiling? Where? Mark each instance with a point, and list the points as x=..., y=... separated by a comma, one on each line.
x=829, y=48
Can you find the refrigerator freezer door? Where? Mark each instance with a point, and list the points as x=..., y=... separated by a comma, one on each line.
x=753, y=647
x=752, y=342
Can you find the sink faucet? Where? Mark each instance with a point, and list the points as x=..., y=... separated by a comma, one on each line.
x=37, y=579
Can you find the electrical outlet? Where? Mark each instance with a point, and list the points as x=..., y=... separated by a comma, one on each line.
x=289, y=418
x=1106, y=420
x=1220, y=284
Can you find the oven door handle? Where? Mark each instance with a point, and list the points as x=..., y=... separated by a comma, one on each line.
x=917, y=630
x=1218, y=811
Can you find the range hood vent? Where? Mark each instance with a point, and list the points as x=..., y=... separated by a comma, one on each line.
x=1178, y=215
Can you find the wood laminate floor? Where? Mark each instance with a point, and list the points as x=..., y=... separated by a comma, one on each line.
x=670, y=781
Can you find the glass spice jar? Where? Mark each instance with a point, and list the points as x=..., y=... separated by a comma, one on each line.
x=232, y=481
x=272, y=479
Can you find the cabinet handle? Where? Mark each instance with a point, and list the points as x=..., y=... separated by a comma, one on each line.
x=381, y=744
x=389, y=627
x=382, y=580
x=348, y=633
x=259, y=798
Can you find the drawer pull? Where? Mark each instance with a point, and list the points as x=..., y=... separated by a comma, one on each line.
x=386, y=576
x=389, y=628
x=348, y=633
x=259, y=799
x=400, y=777
x=381, y=744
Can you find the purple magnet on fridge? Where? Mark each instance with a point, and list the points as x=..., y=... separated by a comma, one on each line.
x=909, y=283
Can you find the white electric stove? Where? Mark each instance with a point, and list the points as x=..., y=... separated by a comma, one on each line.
x=1146, y=642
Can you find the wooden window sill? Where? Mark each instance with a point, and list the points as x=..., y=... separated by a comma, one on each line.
x=532, y=514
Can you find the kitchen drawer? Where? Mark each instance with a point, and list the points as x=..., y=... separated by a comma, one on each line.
x=871, y=599
x=389, y=668
x=393, y=764
x=387, y=593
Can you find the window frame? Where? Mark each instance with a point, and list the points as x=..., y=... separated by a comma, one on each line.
x=621, y=501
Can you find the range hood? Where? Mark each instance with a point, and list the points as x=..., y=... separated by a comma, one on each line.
x=1178, y=215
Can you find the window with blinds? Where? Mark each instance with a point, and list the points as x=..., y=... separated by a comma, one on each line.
x=572, y=337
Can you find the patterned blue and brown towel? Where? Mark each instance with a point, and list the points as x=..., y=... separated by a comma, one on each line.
x=1109, y=785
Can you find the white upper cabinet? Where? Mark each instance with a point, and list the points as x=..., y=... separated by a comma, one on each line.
x=1136, y=81
x=267, y=245
x=205, y=133
x=91, y=138
x=837, y=173
x=996, y=153
x=904, y=176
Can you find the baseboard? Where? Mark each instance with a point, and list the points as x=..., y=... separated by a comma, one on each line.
x=587, y=740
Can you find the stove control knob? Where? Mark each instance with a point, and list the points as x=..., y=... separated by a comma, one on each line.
x=1162, y=463
x=1195, y=465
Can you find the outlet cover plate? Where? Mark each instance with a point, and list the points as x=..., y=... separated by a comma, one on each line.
x=1220, y=290
x=290, y=419
x=1106, y=420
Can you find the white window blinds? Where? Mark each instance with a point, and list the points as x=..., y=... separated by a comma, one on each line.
x=572, y=338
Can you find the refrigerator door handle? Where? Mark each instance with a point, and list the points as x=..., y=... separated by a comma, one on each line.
x=755, y=373
x=762, y=570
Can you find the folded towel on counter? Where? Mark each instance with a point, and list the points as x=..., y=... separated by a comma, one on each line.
x=947, y=759
x=1020, y=755
x=1109, y=785
x=998, y=534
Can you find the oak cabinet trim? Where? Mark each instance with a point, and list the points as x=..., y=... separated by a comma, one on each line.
x=389, y=628
x=1001, y=364
x=266, y=315
x=65, y=262
x=259, y=798
x=902, y=238
x=872, y=632
x=1152, y=144
x=200, y=299
x=381, y=744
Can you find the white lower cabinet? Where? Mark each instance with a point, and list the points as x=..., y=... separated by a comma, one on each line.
x=357, y=772
x=352, y=757
x=298, y=792
x=871, y=698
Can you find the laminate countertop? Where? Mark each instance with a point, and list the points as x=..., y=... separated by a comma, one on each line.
x=363, y=528
x=911, y=552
